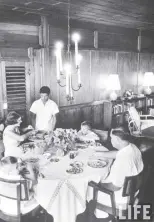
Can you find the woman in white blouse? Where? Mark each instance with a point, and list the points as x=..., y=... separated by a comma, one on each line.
x=12, y=136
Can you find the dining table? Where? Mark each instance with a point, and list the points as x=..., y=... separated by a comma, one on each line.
x=62, y=193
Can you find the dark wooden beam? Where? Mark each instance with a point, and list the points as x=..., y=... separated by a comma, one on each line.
x=44, y=42
x=10, y=28
x=19, y=18
x=58, y=21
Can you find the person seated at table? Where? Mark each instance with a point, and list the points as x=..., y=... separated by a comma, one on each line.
x=1, y=138
x=128, y=162
x=10, y=169
x=12, y=135
x=85, y=134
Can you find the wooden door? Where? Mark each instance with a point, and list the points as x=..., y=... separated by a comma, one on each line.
x=15, y=85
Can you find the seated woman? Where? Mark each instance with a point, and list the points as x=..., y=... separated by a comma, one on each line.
x=10, y=169
x=12, y=135
x=86, y=134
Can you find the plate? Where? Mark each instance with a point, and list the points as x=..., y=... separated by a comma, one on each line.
x=97, y=163
x=81, y=145
x=77, y=164
x=74, y=170
x=32, y=160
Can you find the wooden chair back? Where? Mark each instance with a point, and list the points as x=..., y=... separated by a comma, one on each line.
x=132, y=185
x=134, y=123
x=21, y=193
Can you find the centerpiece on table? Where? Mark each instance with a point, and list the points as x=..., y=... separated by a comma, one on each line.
x=61, y=141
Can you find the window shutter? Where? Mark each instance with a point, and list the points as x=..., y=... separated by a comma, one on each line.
x=16, y=89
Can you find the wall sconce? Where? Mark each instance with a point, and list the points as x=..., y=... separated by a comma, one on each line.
x=113, y=84
x=148, y=81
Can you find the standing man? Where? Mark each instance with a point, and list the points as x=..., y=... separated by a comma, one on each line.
x=43, y=111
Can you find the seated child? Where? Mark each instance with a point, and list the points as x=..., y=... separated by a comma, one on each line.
x=86, y=134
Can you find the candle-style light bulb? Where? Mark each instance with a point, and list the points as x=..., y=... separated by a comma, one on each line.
x=79, y=58
x=67, y=68
x=59, y=46
x=57, y=65
x=76, y=38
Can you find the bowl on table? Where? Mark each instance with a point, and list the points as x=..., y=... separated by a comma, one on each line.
x=97, y=163
x=75, y=167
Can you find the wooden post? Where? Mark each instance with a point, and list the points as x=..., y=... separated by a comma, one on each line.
x=3, y=88
x=96, y=39
x=44, y=51
x=138, y=58
x=1, y=92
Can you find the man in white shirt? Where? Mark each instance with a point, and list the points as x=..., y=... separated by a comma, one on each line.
x=128, y=162
x=43, y=111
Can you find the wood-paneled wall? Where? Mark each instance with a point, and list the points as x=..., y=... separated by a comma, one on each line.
x=111, y=57
x=95, y=67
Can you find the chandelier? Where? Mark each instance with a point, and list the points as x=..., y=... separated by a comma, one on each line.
x=65, y=73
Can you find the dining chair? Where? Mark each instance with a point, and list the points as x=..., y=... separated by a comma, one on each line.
x=138, y=123
x=17, y=191
x=132, y=186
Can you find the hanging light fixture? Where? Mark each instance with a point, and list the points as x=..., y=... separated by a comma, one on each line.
x=66, y=71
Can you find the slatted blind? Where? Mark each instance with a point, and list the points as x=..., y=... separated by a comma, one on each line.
x=16, y=89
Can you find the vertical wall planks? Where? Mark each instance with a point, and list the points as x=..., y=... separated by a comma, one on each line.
x=1, y=92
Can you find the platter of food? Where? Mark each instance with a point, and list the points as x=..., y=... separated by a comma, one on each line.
x=75, y=167
x=97, y=163
x=29, y=145
x=36, y=137
x=74, y=170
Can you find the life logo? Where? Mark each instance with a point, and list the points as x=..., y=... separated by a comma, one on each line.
x=143, y=212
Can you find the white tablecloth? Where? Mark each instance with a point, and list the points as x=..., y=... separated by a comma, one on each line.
x=64, y=195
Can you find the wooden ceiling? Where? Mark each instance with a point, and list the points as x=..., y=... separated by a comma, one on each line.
x=138, y=14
